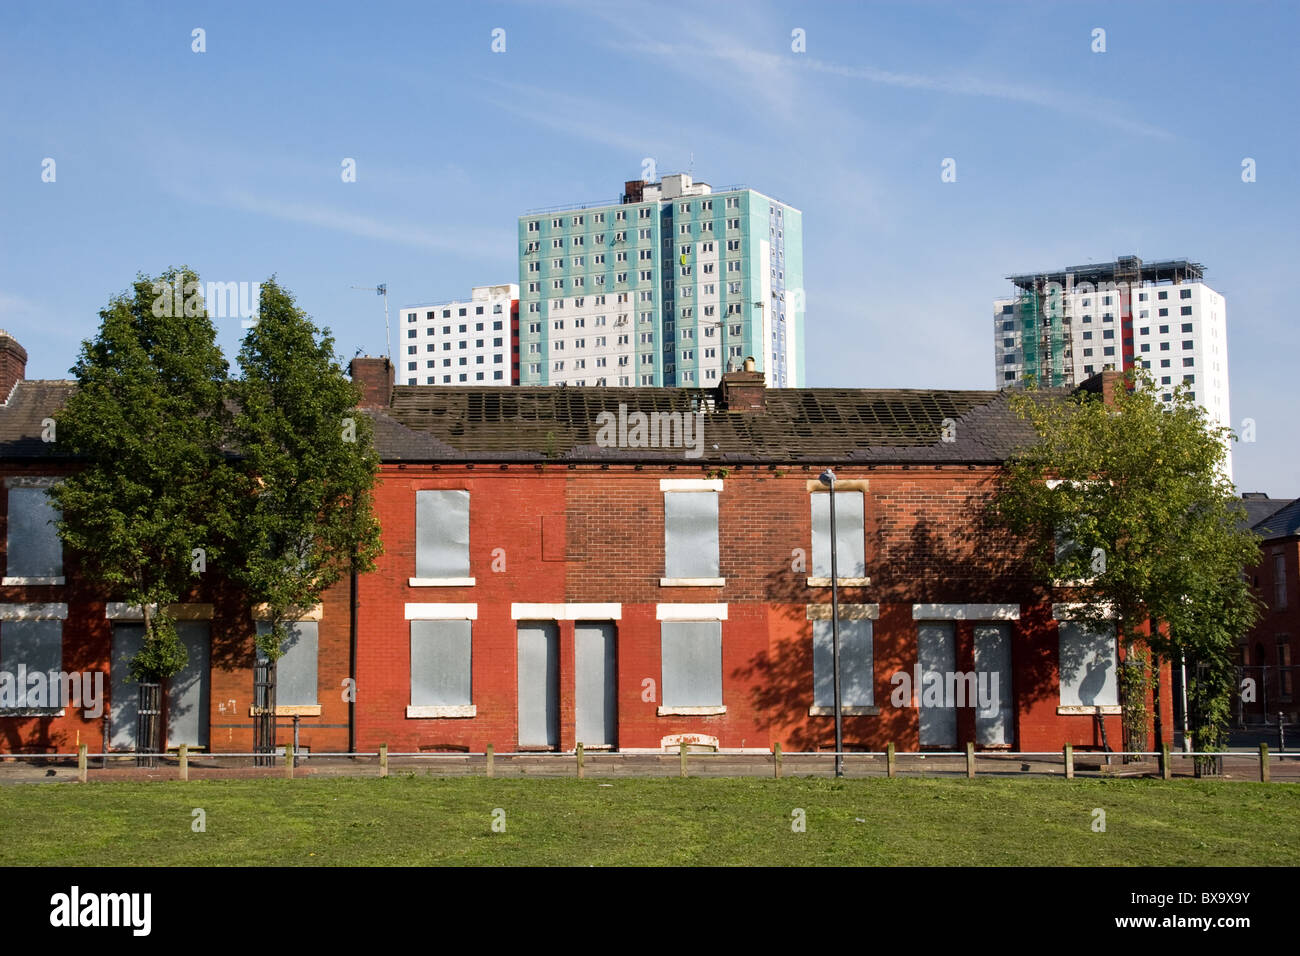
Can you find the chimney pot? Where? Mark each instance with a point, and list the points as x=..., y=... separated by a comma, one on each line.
x=743, y=391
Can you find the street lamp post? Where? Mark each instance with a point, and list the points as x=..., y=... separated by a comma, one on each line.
x=827, y=478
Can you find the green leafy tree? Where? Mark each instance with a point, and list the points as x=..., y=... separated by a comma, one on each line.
x=1145, y=526
x=146, y=512
x=307, y=467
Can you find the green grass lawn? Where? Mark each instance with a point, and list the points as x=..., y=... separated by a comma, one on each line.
x=424, y=820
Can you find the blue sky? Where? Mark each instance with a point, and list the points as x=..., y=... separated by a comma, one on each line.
x=229, y=160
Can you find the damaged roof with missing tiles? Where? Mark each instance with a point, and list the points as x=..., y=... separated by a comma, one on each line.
x=527, y=424
x=430, y=423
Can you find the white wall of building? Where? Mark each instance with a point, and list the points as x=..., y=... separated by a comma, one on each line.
x=466, y=342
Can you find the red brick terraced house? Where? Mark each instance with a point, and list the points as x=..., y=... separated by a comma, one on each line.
x=1267, y=655
x=628, y=568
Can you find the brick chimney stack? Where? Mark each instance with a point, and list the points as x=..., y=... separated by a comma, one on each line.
x=1104, y=384
x=743, y=391
x=13, y=364
x=375, y=376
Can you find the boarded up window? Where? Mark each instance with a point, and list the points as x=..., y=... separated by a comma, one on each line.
x=187, y=690
x=691, y=534
x=936, y=652
x=538, y=667
x=851, y=549
x=38, y=645
x=440, y=662
x=34, y=548
x=295, y=671
x=442, y=534
x=994, y=720
x=1065, y=546
x=1088, y=666
x=692, y=663
x=856, y=674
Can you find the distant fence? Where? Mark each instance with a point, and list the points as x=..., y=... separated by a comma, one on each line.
x=687, y=760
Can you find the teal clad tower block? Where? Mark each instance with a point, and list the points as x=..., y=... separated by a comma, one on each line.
x=673, y=285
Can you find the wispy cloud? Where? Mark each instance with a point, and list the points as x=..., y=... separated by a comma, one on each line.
x=579, y=116
x=15, y=306
x=770, y=75
x=485, y=244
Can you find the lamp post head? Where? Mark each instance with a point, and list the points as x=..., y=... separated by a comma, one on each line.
x=827, y=478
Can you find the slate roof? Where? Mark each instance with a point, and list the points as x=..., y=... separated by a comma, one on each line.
x=1257, y=509
x=20, y=418
x=514, y=424
x=1283, y=523
x=824, y=425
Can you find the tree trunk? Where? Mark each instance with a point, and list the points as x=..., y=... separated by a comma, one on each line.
x=1133, y=690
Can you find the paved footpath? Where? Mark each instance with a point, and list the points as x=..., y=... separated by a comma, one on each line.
x=616, y=765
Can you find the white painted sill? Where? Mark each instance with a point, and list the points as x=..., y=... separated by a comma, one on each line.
x=1077, y=710
x=32, y=712
x=1073, y=583
x=692, y=582
x=844, y=582
x=441, y=582
x=441, y=710
x=33, y=582
x=853, y=711
x=692, y=711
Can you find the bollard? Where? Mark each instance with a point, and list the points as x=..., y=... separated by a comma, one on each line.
x=383, y=760
x=288, y=761
x=683, y=773
x=890, y=769
x=1166, y=771
x=970, y=760
x=1263, y=763
x=1069, y=762
x=183, y=758
x=579, y=753
x=81, y=763
x=776, y=760
x=491, y=752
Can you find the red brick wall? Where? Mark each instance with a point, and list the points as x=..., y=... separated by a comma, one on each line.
x=593, y=535
x=924, y=543
x=506, y=512
x=87, y=646
x=1274, y=622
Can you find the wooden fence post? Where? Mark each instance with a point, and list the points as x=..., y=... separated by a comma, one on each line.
x=183, y=756
x=1166, y=771
x=81, y=763
x=683, y=752
x=1069, y=762
x=288, y=761
x=970, y=760
x=1263, y=763
x=579, y=751
x=776, y=760
x=383, y=760
x=890, y=767
x=491, y=753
